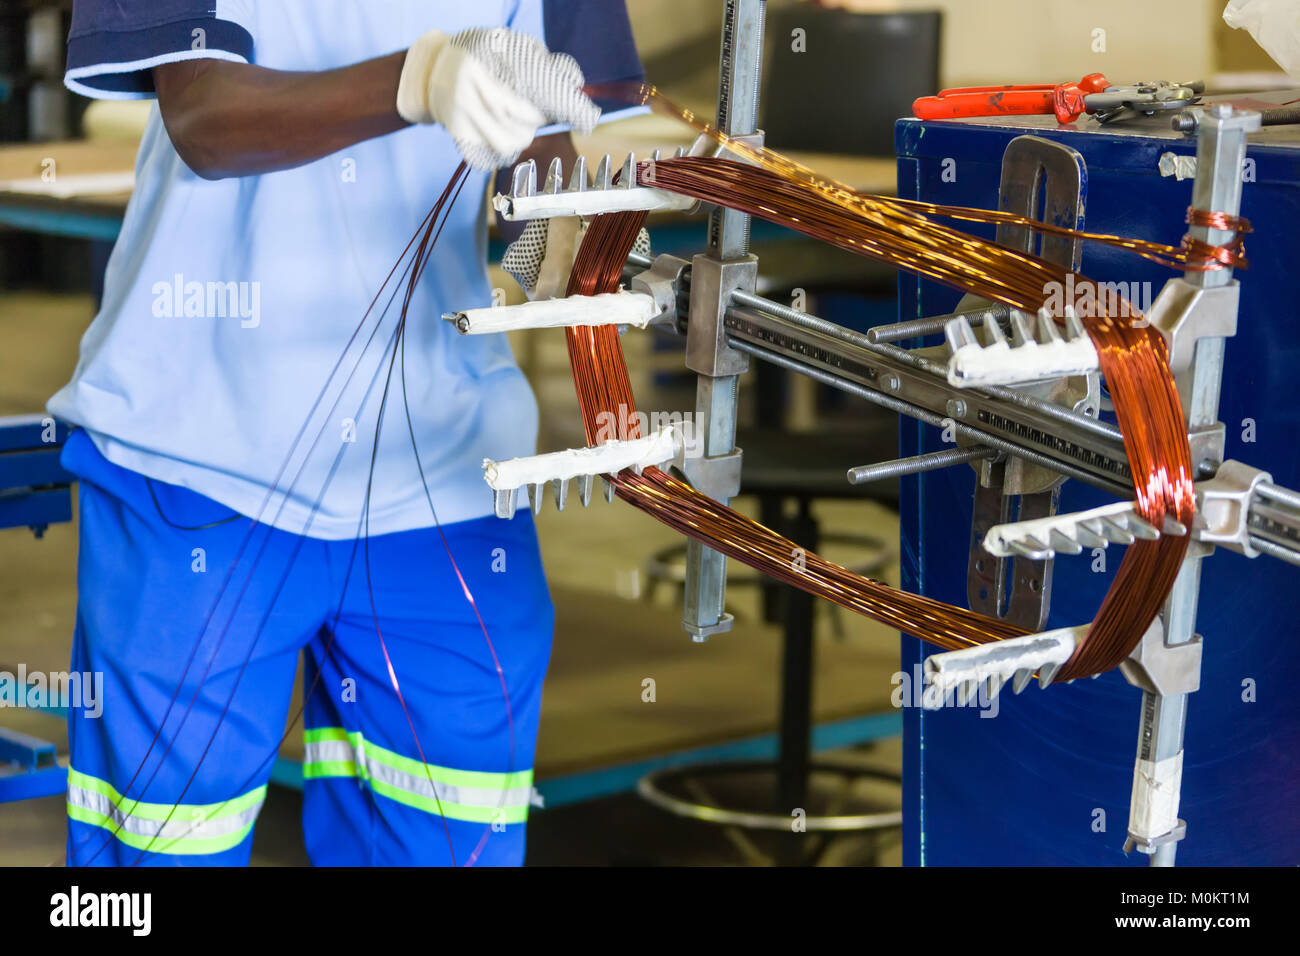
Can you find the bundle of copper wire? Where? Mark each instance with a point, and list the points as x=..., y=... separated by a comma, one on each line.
x=1132, y=356
x=1133, y=359
x=605, y=392
x=1192, y=255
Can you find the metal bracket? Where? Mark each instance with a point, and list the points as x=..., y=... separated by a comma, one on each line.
x=1183, y=313
x=717, y=472
x=1031, y=167
x=663, y=283
x=706, y=145
x=1160, y=668
x=1149, y=847
x=1206, y=445
x=712, y=282
x=717, y=476
x=1225, y=501
x=1016, y=591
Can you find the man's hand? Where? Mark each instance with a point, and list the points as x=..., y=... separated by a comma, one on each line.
x=492, y=90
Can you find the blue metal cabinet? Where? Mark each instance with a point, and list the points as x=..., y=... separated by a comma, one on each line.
x=1025, y=786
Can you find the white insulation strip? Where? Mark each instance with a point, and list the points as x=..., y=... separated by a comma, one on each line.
x=975, y=365
x=588, y=202
x=609, y=308
x=609, y=458
x=1153, y=810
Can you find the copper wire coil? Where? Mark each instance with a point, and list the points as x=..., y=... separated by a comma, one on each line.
x=1193, y=257
x=1132, y=357
x=1217, y=220
x=604, y=393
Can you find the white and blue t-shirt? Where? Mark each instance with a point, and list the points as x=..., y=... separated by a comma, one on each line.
x=228, y=304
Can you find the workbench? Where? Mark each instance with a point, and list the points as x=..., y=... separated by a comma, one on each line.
x=94, y=210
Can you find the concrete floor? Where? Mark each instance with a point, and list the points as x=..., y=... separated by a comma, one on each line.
x=611, y=631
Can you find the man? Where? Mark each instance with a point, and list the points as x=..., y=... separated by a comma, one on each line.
x=225, y=447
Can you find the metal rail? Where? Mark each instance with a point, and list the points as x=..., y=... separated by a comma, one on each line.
x=999, y=418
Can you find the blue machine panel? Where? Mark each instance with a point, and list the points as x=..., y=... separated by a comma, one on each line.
x=1026, y=786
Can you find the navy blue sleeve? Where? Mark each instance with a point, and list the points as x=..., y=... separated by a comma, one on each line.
x=598, y=35
x=114, y=44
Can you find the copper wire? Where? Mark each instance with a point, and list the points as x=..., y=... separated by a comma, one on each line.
x=1191, y=255
x=1132, y=357
x=604, y=391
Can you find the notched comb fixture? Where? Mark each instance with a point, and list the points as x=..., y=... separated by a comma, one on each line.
x=580, y=198
x=1016, y=660
x=560, y=468
x=1041, y=538
x=1026, y=357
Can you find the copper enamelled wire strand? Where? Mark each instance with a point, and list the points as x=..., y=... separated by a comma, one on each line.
x=1132, y=357
x=603, y=387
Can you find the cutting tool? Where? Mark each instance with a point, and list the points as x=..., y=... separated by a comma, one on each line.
x=1093, y=94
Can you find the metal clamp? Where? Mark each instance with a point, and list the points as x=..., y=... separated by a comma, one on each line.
x=717, y=472
x=1184, y=313
x=712, y=282
x=1223, y=515
x=663, y=283
x=1149, y=847
x=1160, y=668
x=706, y=145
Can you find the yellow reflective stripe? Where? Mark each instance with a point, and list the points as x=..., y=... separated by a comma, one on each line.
x=478, y=779
x=184, y=846
x=161, y=811
x=473, y=796
x=188, y=829
x=315, y=769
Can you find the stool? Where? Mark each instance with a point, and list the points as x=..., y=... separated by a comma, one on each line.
x=702, y=793
x=780, y=465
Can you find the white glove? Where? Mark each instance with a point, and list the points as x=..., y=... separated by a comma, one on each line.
x=541, y=259
x=492, y=90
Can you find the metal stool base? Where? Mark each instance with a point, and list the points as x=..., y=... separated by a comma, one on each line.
x=651, y=788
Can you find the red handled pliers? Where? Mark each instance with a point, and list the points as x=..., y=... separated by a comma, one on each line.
x=1092, y=94
x=1066, y=100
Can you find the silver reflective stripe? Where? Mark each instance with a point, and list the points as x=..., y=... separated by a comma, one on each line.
x=178, y=827
x=340, y=751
